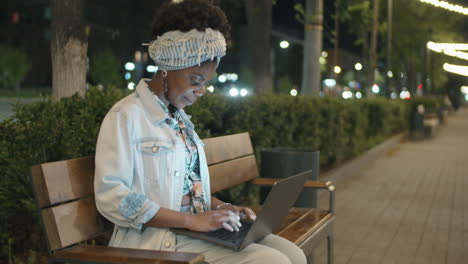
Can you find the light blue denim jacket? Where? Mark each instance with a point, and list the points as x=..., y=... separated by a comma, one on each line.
x=140, y=167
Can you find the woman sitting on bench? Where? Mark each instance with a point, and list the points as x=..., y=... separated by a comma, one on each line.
x=151, y=170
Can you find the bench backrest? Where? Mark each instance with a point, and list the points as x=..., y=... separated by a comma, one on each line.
x=64, y=189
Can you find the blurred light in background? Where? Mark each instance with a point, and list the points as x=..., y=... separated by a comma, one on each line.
x=131, y=85
x=457, y=69
x=347, y=95
x=375, y=88
x=464, y=89
x=466, y=97
x=151, y=68
x=390, y=74
x=358, y=95
x=324, y=54
x=446, y=5
x=233, y=91
x=232, y=77
x=243, y=92
x=405, y=95
x=393, y=95
x=322, y=60
x=222, y=78
x=450, y=49
x=337, y=69
x=438, y=47
x=293, y=92
x=284, y=44
x=210, y=88
x=129, y=66
x=358, y=66
x=128, y=76
x=329, y=82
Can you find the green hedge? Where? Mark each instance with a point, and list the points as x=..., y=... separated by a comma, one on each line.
x=51, y=131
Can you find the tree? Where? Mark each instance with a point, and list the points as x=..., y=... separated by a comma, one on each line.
x=312, y=18
x=259, y=20
x=373, y=49
x=413, y=26
x=69, y=45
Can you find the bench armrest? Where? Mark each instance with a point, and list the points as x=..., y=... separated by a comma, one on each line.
x=309, y=184
x=103, y=254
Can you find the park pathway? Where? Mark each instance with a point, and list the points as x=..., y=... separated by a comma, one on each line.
x=410, y=206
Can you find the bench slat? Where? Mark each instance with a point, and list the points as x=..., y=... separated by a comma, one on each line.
x=62, y=181
x=220, y=149
x=231, y=173
x=88, y=253
x=70, y=223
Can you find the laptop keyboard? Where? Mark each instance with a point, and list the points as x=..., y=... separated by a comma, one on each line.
x=233, y=237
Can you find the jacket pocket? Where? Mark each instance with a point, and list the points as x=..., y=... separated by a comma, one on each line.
x=154, y=147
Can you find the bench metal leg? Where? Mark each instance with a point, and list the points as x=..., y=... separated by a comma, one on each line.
x=330, y=249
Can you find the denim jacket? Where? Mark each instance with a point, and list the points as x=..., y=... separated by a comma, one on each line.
x=140, y=167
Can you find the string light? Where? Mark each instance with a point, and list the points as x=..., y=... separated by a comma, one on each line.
x=451, y=7
x=457, y=69
x=450, y=49
x=440, y=46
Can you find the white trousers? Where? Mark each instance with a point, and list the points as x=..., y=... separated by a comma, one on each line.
x=272, y=250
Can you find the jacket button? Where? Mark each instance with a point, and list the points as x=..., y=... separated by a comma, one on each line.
x=168, y=244
x=154, y=149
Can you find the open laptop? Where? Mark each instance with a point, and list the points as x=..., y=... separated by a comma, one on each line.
x=276, y=207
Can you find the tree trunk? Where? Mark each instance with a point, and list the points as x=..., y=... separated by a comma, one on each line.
x=336, y=45
x=259, y=20
x=373, y=49
x=69, y=46
x=313, y=27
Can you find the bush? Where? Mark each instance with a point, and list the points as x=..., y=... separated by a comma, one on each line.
x=50, y=131
x=37, y=133
x=339, y=129
x=14, y=65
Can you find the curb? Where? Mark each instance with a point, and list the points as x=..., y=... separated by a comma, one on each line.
x=355, y=165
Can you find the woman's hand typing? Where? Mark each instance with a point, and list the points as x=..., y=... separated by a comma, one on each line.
x=213, y=220
x=244, y=212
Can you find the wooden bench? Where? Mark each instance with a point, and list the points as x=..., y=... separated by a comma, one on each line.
x=64, y=193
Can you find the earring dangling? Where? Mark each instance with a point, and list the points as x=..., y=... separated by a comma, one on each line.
x=164, y=75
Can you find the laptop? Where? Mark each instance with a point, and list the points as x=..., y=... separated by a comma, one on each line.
x=276, y=207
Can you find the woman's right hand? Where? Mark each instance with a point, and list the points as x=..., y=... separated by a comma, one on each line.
x=213, y=220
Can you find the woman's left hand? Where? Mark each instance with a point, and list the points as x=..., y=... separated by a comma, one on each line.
x=245, y=213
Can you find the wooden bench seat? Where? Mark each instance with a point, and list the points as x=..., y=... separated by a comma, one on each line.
x=65, y=196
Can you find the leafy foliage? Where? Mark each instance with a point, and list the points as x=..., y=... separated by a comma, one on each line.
x=14, y=65
x=104, y=69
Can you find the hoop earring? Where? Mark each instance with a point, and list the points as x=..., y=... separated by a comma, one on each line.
x=164, y=79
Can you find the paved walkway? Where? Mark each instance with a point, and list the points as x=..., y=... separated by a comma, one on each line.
x=409, y=206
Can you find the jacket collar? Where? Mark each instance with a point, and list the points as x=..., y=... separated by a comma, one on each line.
x=154, y=107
